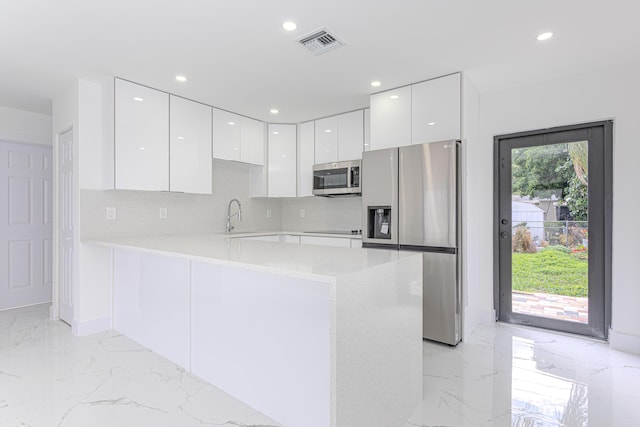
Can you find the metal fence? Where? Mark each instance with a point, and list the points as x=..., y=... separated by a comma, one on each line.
x=554, y=233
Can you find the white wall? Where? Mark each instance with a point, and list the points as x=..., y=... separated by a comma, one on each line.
x=606, y=94
x=24, y=126
x=471, y=146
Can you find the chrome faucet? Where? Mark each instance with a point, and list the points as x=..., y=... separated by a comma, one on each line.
x=239, y=213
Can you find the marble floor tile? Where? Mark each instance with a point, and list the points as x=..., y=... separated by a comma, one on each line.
x=50, y=378
x=501, y=376
x=507, y=375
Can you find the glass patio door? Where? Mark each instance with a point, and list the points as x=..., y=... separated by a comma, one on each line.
x=553, y=206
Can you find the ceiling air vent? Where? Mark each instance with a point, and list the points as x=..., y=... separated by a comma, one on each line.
x=321, y=41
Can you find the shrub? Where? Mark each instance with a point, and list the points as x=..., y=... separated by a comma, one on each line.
x=521, y=240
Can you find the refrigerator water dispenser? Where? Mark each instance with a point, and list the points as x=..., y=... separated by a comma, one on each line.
x=379, y=222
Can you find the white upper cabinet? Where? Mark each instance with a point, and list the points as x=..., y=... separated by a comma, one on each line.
x=306, y=132
x=435, y=110
x=281, y=160
x=339, y=137
x=391, y=118
x=326, y=144
x=190, y=146
x=238, y=138
x=367, y=130
x=350, y=135
x=252, y=141
x=141, y=137
x=226, y=135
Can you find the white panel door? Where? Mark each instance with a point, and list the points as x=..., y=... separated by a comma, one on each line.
x=306, y=135
x=226, y=135
x=252, y=141
x=350, y=135
x=326, y=142
x=282, y=161
x=190, y=146
x=435, y=110
x=66, y=230
x=25, y=225
x=141, y=138
x=391, y=118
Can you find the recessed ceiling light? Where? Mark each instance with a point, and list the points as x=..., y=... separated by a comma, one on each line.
x=275, y=132
x=375, y=83
x=181, y=78
x=289, y=26
x=283, y=155
x=231, y=123
x=327, y=130
x=137, y=98
x=142, y=148
x=394, y=97
x=544, y=36
x=181, y=137
x=274, y=111
x=431, y=123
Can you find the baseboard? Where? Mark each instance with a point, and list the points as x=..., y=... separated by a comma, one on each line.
x=92, y=326
x=624, y=342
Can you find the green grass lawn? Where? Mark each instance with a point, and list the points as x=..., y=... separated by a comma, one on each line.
x=552, y=270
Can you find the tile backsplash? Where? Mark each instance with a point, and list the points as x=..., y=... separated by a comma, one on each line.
x=322, y=213
x=138, y=212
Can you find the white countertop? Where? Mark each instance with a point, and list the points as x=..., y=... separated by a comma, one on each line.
x=320, y=263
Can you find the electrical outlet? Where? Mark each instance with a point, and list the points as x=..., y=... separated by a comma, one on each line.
x=268, y=213
x=302, y=213
x=163, y=213
x=111, y=214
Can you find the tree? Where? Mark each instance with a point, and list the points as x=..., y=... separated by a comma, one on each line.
x=559, y=170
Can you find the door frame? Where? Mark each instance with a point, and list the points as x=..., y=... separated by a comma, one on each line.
x=54, y=312
x=599, y=329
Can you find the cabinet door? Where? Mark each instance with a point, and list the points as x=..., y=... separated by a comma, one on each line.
x=251, y=141
x=226, y=135
x=306, y=134
x=350, y=135
x=367, y=130
x=282, y=161
x=190, y=146
x=391, y=118
x=141, y=137
x=326, y=241
x=151, y=302
x=326, y=143
x=436, y=110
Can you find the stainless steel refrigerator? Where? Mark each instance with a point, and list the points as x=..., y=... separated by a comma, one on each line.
x=411, y=201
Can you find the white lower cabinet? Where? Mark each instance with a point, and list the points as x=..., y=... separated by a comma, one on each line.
x=255, y=332
x=289, y=238
x=151, y=302
x=326, y=241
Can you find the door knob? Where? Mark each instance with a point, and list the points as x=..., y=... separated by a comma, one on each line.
x=504, y=235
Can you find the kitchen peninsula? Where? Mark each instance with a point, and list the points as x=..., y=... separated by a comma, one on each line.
x=309, y=335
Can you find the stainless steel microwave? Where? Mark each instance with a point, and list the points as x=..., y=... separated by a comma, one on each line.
x=337, y=178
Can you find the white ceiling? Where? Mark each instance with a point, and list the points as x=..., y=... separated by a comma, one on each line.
x=237, y=57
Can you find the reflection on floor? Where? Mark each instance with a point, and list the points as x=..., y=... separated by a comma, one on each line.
x=514, y=376
x=573, y=309
x=501, y=376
